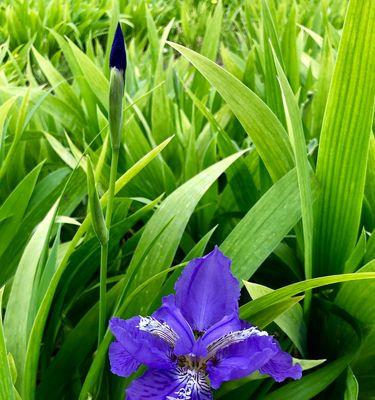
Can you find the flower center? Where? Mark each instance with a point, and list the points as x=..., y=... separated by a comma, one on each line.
x=192, y=363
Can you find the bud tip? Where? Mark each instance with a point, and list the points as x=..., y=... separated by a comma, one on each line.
x=117, y=57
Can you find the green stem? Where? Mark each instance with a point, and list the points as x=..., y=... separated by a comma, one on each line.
x=103, y=291
x=104, y=247
x=112, y=185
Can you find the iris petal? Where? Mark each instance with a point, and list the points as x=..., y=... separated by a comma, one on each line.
x=172, y=316
x=176, y=384
x=241, y=359
x=207, y=291
x=121, y=361
x=138, y=346
x=229, y=323
x=280, y=366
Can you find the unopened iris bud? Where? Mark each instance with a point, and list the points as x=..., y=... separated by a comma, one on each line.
x=97, y=216
x=117, y=63
x=117, y=57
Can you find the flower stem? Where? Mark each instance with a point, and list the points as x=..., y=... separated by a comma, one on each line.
x=104, y=247
x=103, y=291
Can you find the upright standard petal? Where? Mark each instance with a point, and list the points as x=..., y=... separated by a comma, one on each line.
x=137, y=346
x=170, y=314
x=207, y=291
x=280, y=366
x=241, y=359
x=177, y=384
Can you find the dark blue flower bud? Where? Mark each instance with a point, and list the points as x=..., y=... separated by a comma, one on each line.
x=117, y=58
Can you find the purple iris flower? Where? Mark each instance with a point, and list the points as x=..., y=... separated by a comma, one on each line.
x=195, y=341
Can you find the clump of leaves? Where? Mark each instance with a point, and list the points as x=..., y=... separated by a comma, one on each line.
x=249, y=128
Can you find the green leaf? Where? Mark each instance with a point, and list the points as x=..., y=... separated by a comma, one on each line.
x=210, y=46
x=72, y=352
x=60, y=372
x=20, y=309
x=291, y=290
x=297, y=138
x=16, y=137
x=6, y=382
x=322, y=88
x=17, y=200
x=308, y=364
x=44, y=309
x=97, y=216
x=86, y=92
x=289, y=50
x=153, y=38
x=274, y=313
x=61, y=151
x=311, y=384
x=344, y=143
x=357, y=254
x=161, y=118
x=92, y=75
x=264, y=226
x=49, y=268
x=171, y=220
x=259, y=122
x=60, y=86
x=271, y=41
x=352, y=388
x=353, y=295
x=370, y=179
x=4, y=110
x=44, y=195
x=290, y=321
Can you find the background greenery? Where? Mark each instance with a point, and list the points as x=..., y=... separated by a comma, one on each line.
x=256, y=135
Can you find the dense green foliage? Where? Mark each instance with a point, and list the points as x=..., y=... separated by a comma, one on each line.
x=247, y=124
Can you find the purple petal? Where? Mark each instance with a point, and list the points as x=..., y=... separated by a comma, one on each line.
x=241, y=359
x=230, y=323
x=207, y=291
x=280, y=366
x=169, y=385
x=122, y=362
x=172, y=316
x=143, y=347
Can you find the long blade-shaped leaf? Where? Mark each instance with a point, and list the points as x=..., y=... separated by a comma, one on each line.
x=264, y=226
x=20, y=309
x=344, y=145
x=170, y=222
x=259, y=122
x=295, y=288
x=295, y=130
x=6, y=383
